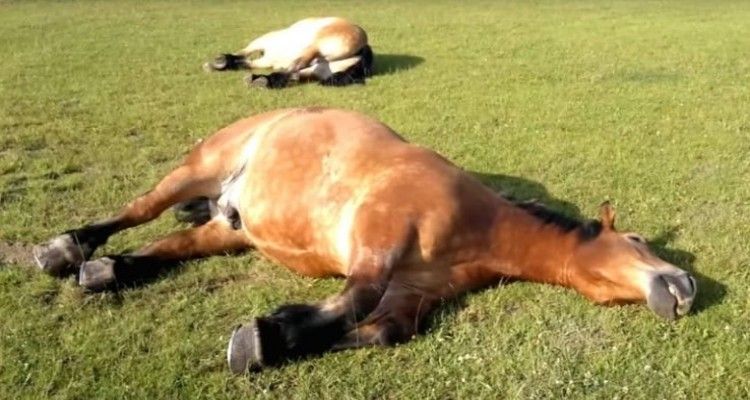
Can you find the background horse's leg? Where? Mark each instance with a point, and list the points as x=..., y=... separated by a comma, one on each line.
x=304, y=60
x=73, y=247
x=336, y=73
x=215, y=237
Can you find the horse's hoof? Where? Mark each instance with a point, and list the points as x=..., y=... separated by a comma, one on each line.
x=278, y=80
x=59, y=254
x=257, y=81
x=256, y=345
x=97, y=274
x=220, y=63
x=244, y=351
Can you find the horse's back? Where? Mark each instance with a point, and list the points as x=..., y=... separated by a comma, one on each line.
x=333, y=38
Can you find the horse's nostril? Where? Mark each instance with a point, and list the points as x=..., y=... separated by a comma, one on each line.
x=681, y=286
x=671, y=296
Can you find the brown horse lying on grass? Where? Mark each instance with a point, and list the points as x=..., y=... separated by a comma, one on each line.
x=331, y=192
x=332, y=51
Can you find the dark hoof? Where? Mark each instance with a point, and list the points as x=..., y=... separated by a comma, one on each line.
x=244, y=351
x=60, y=254
x=257, y=81
x=224, y=62
x=276, y=80
x=219, y=63
x=256, y=345
x=97, y=274
x=196, y=211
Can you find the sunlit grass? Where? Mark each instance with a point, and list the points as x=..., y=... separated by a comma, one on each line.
x=643, y=103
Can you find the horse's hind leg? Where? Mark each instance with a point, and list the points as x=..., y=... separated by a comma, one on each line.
x=337, y=73
x=73, y=247
x=216, y=237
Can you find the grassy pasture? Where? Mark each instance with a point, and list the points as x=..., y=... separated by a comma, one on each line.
x=643, y=103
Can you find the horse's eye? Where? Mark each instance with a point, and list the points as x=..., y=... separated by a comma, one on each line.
x=636, y=238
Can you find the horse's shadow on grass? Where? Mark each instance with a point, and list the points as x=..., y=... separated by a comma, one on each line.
x=388, y=64
x=710, y=291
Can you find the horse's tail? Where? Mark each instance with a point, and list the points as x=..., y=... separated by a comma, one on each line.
x=367, y=59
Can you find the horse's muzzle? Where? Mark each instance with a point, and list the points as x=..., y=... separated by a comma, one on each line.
x=671, y=295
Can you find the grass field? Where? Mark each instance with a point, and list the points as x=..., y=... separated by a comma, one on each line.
x=643, y=103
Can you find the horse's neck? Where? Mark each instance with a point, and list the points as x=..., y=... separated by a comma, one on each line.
x=524, y=247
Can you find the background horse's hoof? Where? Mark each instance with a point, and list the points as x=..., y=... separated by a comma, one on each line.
x=220, y=63
x=97, y=274
x=257, y=81
x=59, y=255
x=275, y=80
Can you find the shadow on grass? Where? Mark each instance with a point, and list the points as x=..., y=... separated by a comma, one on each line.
x=517, y=188
x=387, y=64
x=710, y=291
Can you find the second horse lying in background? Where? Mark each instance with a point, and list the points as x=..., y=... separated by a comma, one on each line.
x=330, y=50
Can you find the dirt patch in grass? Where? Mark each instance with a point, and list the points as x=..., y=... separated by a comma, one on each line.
x=15, y=254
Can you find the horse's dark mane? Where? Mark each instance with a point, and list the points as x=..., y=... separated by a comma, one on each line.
x=587, y=229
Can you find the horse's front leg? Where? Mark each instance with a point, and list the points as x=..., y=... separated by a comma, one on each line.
x=68, y=250
x=396, y=319
x=218, y=236
x=243, y=59
x=298, y=330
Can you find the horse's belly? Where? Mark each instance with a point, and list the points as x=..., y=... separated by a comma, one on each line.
x=300, y=247
x=305, y=262
x=311, y=238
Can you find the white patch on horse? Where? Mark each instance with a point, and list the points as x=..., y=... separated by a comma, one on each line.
x=342, y=239
x=232, y=187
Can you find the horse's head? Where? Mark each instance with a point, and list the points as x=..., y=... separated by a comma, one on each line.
x=618, y=267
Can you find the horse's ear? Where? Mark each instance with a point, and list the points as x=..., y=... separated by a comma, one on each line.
x=607, y=216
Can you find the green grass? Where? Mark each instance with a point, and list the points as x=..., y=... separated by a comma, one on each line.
x=644, y=103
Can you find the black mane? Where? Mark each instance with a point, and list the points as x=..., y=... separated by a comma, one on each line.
x=587, y=229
